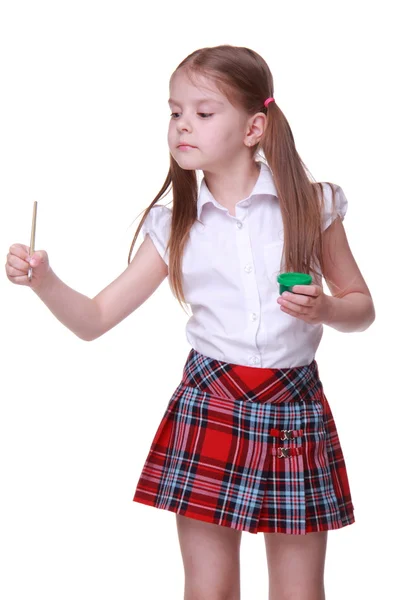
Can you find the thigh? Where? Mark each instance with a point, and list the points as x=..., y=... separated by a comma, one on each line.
x=211, y=556
x=296, y=565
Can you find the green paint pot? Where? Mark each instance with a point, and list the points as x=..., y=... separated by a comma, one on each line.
x=288, y=280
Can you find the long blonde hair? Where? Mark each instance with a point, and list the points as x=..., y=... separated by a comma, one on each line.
x=246, y=80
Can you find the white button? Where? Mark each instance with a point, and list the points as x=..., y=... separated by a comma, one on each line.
x=253, y=316
x=239, y=225
x=248, y=268
x=254, y=360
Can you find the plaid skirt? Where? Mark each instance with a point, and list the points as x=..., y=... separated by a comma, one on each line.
x=254, y=449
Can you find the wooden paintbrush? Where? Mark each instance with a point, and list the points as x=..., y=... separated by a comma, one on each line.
x=33, y=232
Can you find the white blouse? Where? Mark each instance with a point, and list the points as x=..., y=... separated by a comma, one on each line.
x=230, y=265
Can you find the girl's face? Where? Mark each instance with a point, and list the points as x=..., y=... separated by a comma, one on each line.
x=204, y=118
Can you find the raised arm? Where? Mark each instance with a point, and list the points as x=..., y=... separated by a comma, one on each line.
x=89, y=318
x=133, y=287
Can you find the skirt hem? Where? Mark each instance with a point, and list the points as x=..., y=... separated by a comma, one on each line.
x=253, y=530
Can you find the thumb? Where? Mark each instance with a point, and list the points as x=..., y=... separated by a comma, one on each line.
x=36, y=258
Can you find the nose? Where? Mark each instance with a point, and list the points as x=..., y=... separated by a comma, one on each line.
x=184, y=124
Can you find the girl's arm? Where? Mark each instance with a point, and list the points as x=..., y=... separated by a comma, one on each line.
x=351, y=304
x=90, y=318
x=354, y=312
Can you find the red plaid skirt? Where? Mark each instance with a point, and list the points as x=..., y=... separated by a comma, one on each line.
x=254, y=449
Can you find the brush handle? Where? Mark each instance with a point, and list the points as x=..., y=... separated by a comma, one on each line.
x=33, y=233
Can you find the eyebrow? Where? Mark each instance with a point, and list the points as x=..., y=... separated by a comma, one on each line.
x=203, y=101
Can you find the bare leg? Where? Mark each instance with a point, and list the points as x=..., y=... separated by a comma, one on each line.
x=211, y=558
x=296, y=565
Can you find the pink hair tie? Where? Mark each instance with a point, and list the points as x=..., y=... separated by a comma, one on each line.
x=268, y=100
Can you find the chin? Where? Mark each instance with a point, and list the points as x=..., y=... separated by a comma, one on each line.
x=188, y=165
x=191, y=168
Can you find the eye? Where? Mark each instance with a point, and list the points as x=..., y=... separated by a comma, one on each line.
x=204, y=114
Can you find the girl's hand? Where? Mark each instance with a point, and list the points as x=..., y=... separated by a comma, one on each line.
x=19, y=262
x=308, y=303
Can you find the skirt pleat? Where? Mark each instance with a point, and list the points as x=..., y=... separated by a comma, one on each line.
x=254, y=449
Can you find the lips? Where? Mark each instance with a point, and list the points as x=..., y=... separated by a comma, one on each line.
x=183, y=144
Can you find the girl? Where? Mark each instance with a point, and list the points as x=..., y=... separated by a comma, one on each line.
x=247, y=441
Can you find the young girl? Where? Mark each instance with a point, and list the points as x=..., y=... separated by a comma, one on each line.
x=247, y=441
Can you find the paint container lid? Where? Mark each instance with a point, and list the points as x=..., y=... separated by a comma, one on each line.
x=290, y=279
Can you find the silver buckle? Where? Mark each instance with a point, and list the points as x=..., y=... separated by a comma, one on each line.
x=283, y=452
x=287, y=434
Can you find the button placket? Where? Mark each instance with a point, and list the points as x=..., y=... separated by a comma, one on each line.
x=250, y=283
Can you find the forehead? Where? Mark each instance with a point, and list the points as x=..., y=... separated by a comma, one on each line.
x=194, y=90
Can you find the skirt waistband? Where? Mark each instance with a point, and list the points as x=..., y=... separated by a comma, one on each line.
x=237, y=382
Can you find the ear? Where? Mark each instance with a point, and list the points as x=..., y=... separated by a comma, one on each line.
x=255, y=128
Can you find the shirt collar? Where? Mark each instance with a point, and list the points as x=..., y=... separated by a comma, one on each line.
x=264, y=185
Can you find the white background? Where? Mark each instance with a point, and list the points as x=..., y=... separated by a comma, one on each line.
x=84, y=118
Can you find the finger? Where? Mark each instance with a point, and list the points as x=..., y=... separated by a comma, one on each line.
x=293, y=312
x=20, y=250
x=307, y=290
x=18, y=263
x=292, y=306
x=289, y=299
x=21, y=280
x=16, y=276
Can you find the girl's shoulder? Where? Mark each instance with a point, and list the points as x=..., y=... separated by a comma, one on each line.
x=333, y=202
x=159, y=216
x=158, y=225
x=160, y=209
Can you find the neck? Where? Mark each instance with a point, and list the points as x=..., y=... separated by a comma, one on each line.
x=233, y=184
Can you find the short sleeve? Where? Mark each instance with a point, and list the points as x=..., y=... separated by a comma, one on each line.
x=158, y=225
x=329, y=214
